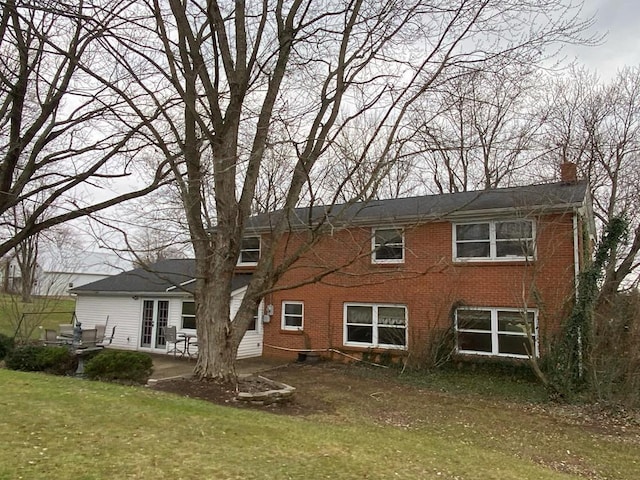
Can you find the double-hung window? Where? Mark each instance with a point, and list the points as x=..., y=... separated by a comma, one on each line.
x=375, y=325
x=387, y=245
x=255, y=321
x=494, y=240
x=292, y=315
x=496, y=331
x=249, y=251
x=188, y=316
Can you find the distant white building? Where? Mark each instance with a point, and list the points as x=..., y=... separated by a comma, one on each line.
x=55, y=276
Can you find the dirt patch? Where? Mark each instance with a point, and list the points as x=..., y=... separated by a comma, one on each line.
x=303, y=401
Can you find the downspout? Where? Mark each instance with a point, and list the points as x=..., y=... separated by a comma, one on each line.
x=576, y=273
x=576, y=253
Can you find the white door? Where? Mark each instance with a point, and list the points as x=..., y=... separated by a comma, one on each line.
x=155, y=317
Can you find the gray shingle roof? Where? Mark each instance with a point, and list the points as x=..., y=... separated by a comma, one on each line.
x=175, y=273
x=156, y=278
x=543, y=197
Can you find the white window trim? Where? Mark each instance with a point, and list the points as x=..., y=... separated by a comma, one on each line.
x=373, y=246
x=374, y=325
x=244, y=264
x=495, y=333
x=283, y=326
x=492, y=242
x=259, y=314
x=182, y=327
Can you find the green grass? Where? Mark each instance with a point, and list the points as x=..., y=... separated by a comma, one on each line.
x=47, y=312
x=54, y=427
x=481, y=383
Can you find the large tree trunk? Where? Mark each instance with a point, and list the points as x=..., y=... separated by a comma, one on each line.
x=217, y=362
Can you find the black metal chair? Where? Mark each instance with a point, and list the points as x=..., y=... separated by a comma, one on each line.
x=171, y=337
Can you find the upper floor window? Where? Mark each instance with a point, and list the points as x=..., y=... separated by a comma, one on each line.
x=494, y=240
x=188, y=315
x=292, y=315
x=496, y=331
x=375, y=325
x=249, y=251
x=388, y=245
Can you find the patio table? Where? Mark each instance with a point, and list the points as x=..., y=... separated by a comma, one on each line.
x=188, y=337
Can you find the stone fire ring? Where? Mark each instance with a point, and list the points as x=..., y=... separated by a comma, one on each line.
x=281, y=393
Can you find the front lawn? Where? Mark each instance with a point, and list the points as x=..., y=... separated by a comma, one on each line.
x=347, y=426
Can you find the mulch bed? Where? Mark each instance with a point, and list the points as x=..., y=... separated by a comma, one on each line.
x=224, y=394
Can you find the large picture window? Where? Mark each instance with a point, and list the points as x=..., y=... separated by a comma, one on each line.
x=249, y=251
x=494, y=240
x=388, y=245
x=495, y=331
x=375, y=325
x=292, y=315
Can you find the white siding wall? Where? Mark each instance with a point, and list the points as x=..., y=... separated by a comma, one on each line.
x=122, y=312
x=251, y=343
x=126, y=314
x=58, y=283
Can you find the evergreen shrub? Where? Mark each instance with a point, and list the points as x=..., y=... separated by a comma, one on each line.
x=121, y=367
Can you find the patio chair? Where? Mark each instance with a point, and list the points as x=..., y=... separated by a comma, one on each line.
x=88, y=337
x=51, y=338
x=66, y=330
x=107, y=340
x=171, y=337
x=193, y=342
x=100, y=331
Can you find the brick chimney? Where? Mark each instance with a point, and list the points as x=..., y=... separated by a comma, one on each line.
x=568, y=172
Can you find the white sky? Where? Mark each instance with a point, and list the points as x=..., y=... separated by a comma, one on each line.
x=618, y=19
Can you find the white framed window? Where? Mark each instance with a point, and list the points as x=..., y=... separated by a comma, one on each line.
x=188, y=318
x=387, y=245
x=502, y=332
x=249, y=251
x=254, y=325
x=292, y=315
x=373, y=325
x=494, y=240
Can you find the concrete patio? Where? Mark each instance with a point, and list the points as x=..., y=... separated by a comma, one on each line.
x=167, y=366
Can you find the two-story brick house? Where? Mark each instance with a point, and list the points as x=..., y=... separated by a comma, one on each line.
x=496, y=267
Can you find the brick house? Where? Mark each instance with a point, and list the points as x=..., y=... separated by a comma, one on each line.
x=387, y=276
x=487, y=266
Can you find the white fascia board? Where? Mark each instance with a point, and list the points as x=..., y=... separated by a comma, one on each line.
x=102, y=293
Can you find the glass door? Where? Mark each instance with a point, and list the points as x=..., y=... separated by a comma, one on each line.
x=155, y=317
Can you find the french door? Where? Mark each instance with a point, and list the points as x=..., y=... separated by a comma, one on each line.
x=155, y=316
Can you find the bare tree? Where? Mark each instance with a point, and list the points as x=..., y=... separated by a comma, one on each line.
x=229, y=76
x=60, y=151
x=478, y=130
x=597, y=126
x=26, y=255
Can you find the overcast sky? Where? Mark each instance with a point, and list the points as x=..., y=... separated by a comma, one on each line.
x=619, y=20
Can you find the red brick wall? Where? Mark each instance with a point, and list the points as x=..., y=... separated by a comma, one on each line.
x=429, y=283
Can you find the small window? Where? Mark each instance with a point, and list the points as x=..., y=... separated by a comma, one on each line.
x=292, y=315
x=249, y=251
x=375, y=325
x=494, y=240
x=253, y=325
x=388, y=245
x=188, y=315
x=495, y=331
